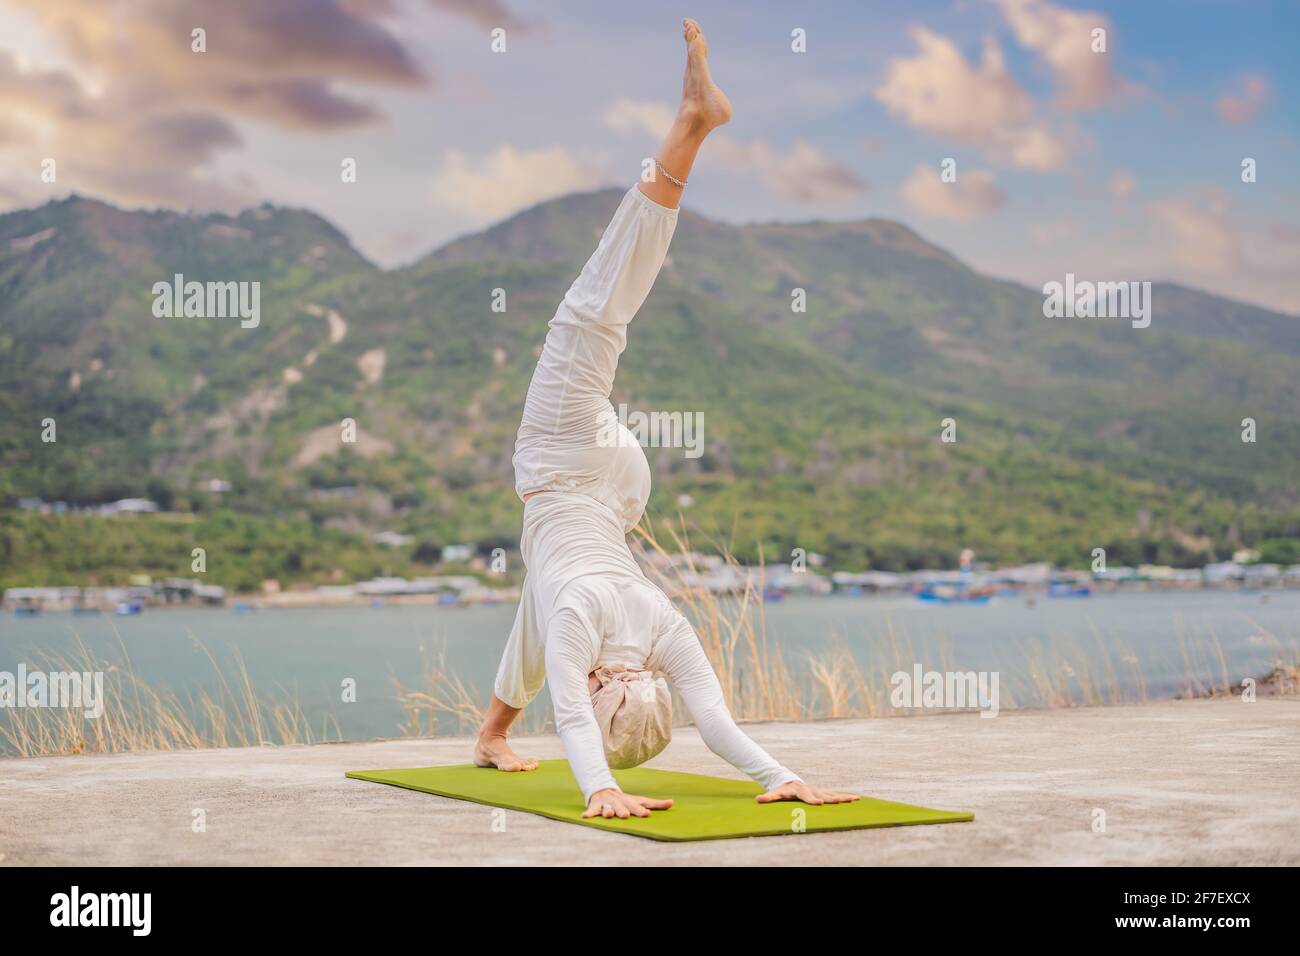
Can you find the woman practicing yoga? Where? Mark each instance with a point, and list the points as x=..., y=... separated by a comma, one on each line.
x=589, y=620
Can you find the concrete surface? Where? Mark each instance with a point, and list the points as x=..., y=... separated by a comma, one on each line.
x=1180, y=782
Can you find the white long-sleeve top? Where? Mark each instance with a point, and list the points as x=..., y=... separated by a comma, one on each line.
x=585, y=600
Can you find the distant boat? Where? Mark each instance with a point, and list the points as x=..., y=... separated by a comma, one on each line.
x=951, y=594
x=1068, y=589
x=773, y=596
x=128, y=608
x=931, y=597
x=243, y=607
x=27, y=610
x=85, y=610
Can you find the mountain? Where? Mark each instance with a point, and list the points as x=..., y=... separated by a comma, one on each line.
x=821, y=427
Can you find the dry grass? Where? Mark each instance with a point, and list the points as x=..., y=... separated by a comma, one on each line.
x=138, y=717
x=462, y=708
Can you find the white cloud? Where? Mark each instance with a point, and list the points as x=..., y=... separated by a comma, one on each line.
x=1204, y=239
x=939, y=91
x=1063, y=40
x=803, y=174
x=971, y=195
x=625, y=114
x=1037, y=149
x=1240, y=110
x=509, y=180
x=1199, y=236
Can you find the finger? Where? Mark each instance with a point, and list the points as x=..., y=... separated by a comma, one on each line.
x=622, y=812
x=772, y=796
x=640, y=812
x=589, y=812
x=607, y=811
x=657, y=804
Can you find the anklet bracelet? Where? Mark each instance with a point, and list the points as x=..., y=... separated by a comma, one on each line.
x=680, y=183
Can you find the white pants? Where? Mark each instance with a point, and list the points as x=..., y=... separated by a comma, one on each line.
x=585, y=600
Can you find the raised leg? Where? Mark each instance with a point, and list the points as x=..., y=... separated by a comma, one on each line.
x=569, y=395
x=704, y=107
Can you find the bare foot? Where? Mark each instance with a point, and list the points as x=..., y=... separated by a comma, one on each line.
x=495, y=752
x=703, y=105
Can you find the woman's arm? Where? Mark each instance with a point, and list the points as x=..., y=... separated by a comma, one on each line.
x=683, y=660
x=570, y=658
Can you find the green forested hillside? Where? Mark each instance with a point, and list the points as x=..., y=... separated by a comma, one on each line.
x=821, y=427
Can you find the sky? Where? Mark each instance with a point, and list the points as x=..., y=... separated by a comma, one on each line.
x=1114, y=163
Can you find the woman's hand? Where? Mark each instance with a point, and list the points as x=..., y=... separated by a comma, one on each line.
x=616, y=803
x=798, y=790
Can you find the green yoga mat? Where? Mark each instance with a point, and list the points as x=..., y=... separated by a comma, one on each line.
x=704, y=808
